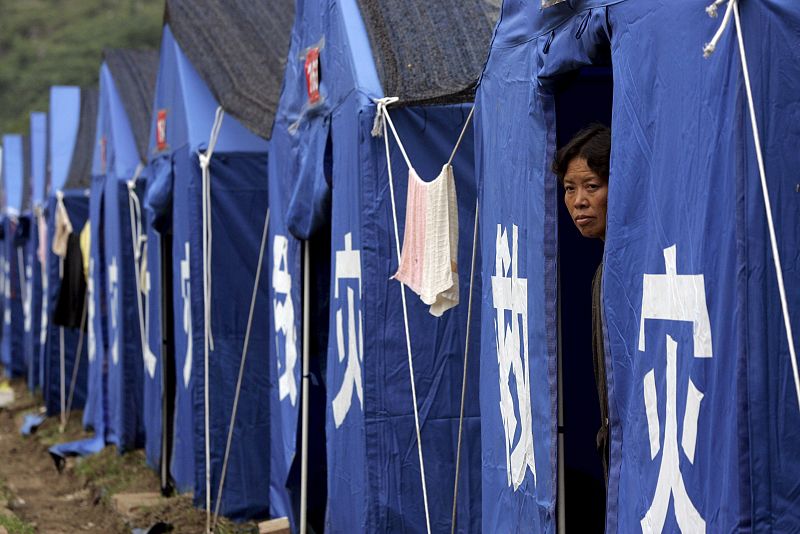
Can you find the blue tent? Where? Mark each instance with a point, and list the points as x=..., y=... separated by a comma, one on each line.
x=115, y=354
x=34, y=266
x=328, y=174
x=16, y=228
x=71, y=137
x=183, y=115
x=696, y=350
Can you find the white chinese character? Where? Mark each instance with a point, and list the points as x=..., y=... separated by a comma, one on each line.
x=26, y=303
x=45, y=296
x=283, y=313
x=147, y=354
x=674, y=297
x=348, y=267
x=7, y=284
x=186, y=293
x=92, y=348
x=510, y=294
x=113, y=291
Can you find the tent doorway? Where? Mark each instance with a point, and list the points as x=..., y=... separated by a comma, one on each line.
x=582, y=98
x=167, y=363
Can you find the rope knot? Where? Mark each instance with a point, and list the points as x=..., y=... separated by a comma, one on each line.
x=380, y=112
x=709, y=47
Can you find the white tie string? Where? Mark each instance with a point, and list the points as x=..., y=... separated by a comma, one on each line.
x=384, y=114
x=208, y=341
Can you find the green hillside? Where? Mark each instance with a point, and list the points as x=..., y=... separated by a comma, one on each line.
x=59, y=42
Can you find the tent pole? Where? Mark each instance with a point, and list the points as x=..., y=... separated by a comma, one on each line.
x=62, y=359
x=304, y=391
x=561, y=507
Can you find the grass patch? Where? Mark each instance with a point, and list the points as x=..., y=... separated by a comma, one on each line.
x=115, y=473
x=15, y=525
x=49, y=432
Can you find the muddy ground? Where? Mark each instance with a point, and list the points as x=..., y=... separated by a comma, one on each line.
x=101, y=493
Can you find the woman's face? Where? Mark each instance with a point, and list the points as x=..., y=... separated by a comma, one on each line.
x=586, y=197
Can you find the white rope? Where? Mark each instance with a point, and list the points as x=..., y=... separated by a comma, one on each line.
x=461, y=135
x=466, y=360
x=382, y=103
x=709, y=48
x=73, y=382
x=767, y=205
x=712, y=9
x=208, y=343
x=23, y=285
x=139, y=243
x=62, y=362
x=241, y=371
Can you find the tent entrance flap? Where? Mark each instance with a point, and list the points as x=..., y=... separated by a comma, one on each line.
x=167, y=362
x=582, y=100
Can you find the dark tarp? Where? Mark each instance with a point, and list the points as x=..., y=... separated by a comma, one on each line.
x=239, y=48
x=80, y=169
x=429, y=51
x=135, y=74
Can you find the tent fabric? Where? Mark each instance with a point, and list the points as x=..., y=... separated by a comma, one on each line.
x=184, y=112
x=95, y=412
x=124, y=355
x=62, y=131
x=134, y=72
x=13, y=353
x=13, y=172
x=701, y=395
x=239, y=203
x=71, y=139
x=34, y=268
x=429, y=51
x=16, y=231
x=326, y=171
x=77, y=206
x=32, y=307
x=117, y=159
x=237, y=48
x=38, y=135
x=79, y=175
x=155, y=376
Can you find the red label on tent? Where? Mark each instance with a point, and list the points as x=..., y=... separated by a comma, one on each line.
x=312, y=75
x=161, y=130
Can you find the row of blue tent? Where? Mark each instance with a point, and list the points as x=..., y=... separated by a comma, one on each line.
x=242, y=214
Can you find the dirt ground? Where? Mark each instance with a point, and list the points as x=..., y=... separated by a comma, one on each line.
x=106, y=493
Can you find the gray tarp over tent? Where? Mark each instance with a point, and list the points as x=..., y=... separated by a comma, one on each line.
x=134, y=72
x=429, y=51
x=239, y=47
x=80, y=169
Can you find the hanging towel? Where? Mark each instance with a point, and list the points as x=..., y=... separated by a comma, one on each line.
x=41, y=251
x=63, y=230
x=428, y=263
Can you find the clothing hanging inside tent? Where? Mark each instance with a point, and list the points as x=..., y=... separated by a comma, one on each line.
x=429, y=262
x=72, y=291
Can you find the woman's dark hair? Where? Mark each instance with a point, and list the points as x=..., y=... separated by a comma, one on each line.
x=593, y=143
